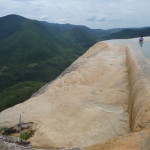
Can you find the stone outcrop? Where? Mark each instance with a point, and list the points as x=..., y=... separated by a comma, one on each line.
x=102, y=101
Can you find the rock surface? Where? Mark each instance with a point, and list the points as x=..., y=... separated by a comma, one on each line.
x=96, y=100
x=134, y=141
x=13, y=146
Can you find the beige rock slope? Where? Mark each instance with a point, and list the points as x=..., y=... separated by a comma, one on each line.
x=88, y=103
x=139, y=103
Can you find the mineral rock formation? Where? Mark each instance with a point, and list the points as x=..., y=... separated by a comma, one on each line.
x=102, y=98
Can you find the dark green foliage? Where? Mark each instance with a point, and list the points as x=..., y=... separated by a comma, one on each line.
x=25, y=135
x=4, y=131
x=25, y=42
x=37, y=51
x=18, y=93
x=7, y=131
x=80, y=37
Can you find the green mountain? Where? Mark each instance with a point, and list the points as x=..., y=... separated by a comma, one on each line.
x=129, y=33
x=35, y=51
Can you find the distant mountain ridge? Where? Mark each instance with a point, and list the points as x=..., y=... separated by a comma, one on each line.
x=34, y=51
x=130, y=33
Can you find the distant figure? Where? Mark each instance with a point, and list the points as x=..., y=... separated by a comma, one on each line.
x=141, y=40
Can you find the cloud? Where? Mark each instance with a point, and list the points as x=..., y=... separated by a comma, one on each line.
x=92, y=18
x=96, y=19
x=92, y=13
x=37, y=9
x=102, y=19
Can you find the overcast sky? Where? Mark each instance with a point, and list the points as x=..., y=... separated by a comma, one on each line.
x=101, y=14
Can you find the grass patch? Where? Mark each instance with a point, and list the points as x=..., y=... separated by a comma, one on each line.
x=4, y=131
x=26, y=134
x=8, y=131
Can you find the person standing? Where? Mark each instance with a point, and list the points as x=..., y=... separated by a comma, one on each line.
x=141, y=40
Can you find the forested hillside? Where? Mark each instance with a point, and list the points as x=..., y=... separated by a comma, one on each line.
x=33, y=53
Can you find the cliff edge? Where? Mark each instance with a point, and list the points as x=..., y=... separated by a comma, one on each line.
x=100, y=102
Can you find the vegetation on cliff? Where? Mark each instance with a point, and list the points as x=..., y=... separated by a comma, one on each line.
x=33, y=53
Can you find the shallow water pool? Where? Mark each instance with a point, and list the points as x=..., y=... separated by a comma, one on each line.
x=146, y=49
x=142, y=54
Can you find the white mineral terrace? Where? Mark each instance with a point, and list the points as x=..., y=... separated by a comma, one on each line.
x=102, y=95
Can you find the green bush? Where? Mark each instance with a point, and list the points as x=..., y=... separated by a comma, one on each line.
x=4, y=130
x=26, y=134
x=7, y=131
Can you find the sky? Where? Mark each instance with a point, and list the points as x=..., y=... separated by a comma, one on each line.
x=96, y=14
